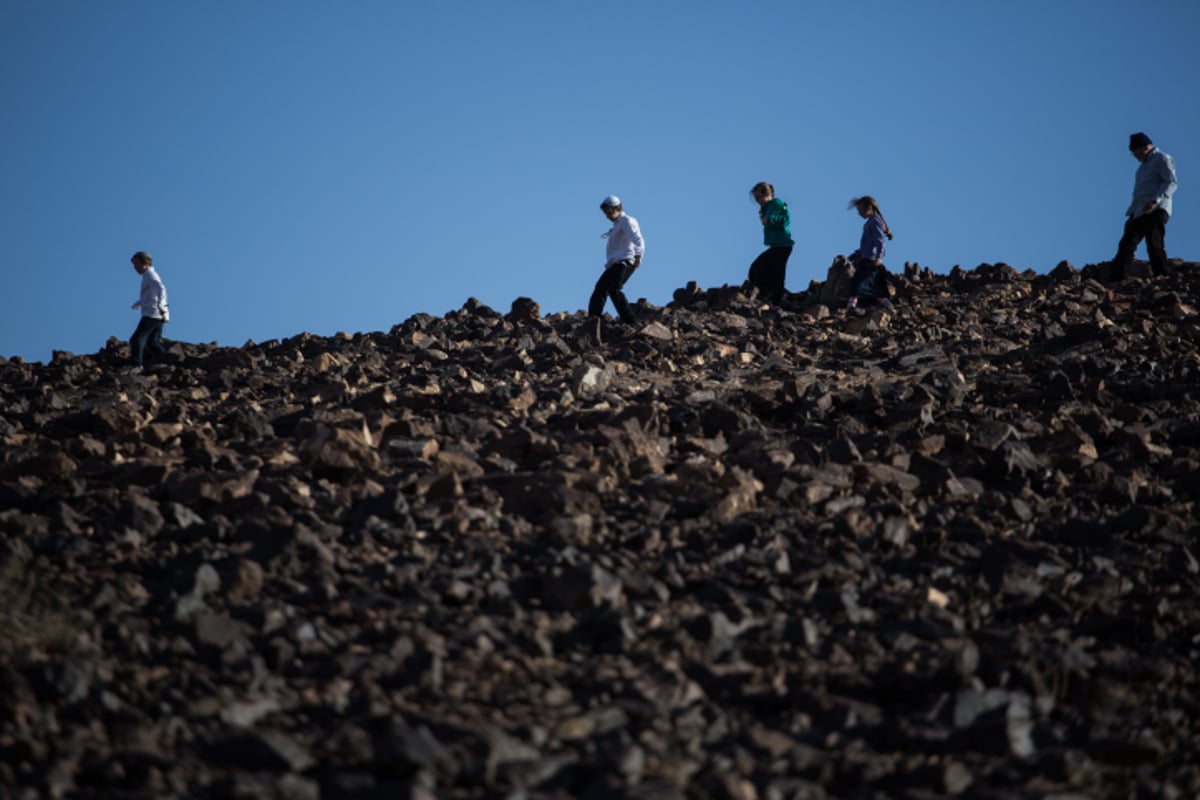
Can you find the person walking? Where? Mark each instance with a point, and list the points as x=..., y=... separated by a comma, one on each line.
x=623, y=256
x=769, y=270
x=870, y=281
x=1153, y=185
x=152, y=302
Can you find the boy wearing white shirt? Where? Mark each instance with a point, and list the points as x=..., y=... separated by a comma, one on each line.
x=623, y=256
x=152, y=301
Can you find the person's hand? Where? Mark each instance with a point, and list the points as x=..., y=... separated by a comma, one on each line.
x=136, y=306
x=1146, y=209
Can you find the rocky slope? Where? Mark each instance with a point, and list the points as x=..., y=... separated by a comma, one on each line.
x=732, y=553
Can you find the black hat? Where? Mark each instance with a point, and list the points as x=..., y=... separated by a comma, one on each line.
x=1139, y=139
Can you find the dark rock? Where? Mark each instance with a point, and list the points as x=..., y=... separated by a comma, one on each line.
x=946, y=549
x=262, y=749
x=524, y=309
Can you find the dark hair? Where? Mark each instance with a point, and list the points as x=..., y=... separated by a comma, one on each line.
x=871, y=206
x=760, y=186
x=1138, y=140
x=142, y=257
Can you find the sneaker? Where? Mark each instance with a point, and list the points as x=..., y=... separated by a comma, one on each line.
x=852, y=303
x=886, y=303
x=594, y=331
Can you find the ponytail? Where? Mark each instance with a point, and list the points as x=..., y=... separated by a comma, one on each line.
x=887, y=231
x=869, y=203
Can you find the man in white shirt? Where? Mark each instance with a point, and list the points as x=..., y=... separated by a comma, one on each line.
x=624, y=255
x=152, y=302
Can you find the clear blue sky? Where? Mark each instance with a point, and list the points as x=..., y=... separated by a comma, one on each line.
x=317, y=166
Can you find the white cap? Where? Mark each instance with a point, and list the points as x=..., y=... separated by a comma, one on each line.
x=612, y=201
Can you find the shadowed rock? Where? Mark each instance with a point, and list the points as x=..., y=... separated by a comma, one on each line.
x=736, y=551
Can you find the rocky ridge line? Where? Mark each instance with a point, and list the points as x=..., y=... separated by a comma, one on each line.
x=734, y=553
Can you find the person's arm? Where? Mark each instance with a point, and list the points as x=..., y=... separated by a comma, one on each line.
x=140, y=303
x=1167, y=182
x=777, y=216
x=639, y=244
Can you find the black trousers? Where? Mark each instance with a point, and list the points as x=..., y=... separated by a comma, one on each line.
x=1153, y=228
x=769, y=271
x=609, y=285
x=870, y=281
x=147, y=336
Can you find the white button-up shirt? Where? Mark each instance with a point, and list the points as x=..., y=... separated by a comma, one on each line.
x=625, y=240
x=153, y=298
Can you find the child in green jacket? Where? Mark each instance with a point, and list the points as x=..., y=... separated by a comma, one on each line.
x=768, y=271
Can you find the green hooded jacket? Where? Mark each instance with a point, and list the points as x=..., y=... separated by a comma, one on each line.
x=776, y=220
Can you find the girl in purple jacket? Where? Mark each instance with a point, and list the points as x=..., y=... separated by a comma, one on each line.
x=870, y=281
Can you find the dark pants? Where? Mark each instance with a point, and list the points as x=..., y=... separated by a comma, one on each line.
x=768, y=272
x=1153, y=228
x=870, y=281
x=609, y=285
x=148, y=336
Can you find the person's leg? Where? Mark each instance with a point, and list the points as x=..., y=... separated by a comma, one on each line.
x=604, y=287
x=155, y=343
x=863, y=270
x=880, y=281
x=623, y=270
x=1130, y=239
x=603, y=284
x=137, y=342
x=758, y=271
x=875, y=285
x=1156, y=231
x=778, y=274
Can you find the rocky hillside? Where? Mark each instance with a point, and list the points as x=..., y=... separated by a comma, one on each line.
x=731, y=553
